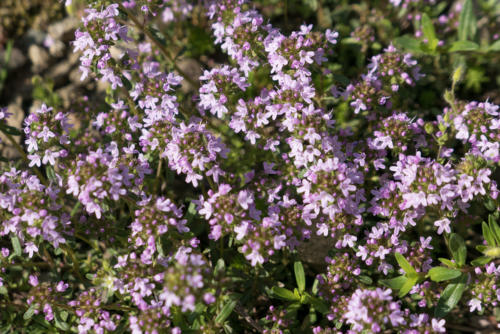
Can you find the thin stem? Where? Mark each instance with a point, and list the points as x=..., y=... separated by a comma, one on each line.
x=160, y=46
x=158, y=174
x=24, y=156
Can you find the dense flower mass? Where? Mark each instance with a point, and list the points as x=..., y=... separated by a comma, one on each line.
x=177, y=204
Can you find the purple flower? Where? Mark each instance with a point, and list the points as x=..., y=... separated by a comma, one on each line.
x=245, y=198
x=443, y=225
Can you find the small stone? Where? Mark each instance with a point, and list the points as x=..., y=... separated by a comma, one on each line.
x=33, y=36
x=69, y=94
x=75, y=76
x=64, y=30
x=7, y=150
x=59, y=73
x=39, y=58
x=57, y=48
x=17, y=59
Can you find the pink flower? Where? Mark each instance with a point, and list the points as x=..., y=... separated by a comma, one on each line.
x=443, y=225
x=438, y=325
x=30, y=248
x=245, y=198
x=475, y=304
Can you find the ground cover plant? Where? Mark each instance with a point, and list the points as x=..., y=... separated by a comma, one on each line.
x=247, y=172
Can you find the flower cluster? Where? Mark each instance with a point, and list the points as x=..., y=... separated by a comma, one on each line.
x=177, y=199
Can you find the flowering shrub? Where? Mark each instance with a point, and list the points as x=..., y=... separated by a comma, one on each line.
x=182, y=203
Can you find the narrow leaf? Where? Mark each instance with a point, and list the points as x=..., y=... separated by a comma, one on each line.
x=447, y=262
x=458, y=249
x=493, y=252
x=488, y=236
x=481, y=248
x=429, y=32
x=29, y=312
x=395, y=283
x=495, y=47
x=463, y=46
x=365, y=279
x=225, y=312
x=481, y=261
x=16, y=245
x=439, y=274
x=300, y=276
x=407, y=286
x=284, y=294
x=450, y=296
x=319, y=304
x=467, y=22
x=403, y=263
x=494, y=228
x=408, y=43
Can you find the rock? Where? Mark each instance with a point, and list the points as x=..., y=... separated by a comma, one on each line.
x=74, y=58
x=102, y=86
x=7, y=150
x=33, y=36
x=39, y=58
x=17, y=59
x=69, y=94
x=75, y=75
x=56, y=48
x=64, y=30
x=37, y=104
x=59, y=73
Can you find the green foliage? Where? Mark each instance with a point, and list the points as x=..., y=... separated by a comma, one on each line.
x=451, y=296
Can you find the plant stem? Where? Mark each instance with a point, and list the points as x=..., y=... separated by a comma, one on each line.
x=24, y=156
x=160, y=46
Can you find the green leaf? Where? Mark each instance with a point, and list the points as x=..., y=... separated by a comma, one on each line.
x=463, y=46
x=490, y=203
x=126, y=82
x=51, y=174
x=481, y=261
x=60, y=322
x=29, y=312
x=494, y=228
x=226, y=311
x=16, y=245
x=75, y=209
x=318, y=304
x=467, y=22
x=494, y=47
x=395, y=283
x=220, y=266
x=408, y=43
x=285, y=294
x=315, y=288
x=439, y=274
x=488, y=236
x=429, y=32
x=458, y=249
x=365, y=279
x=300, y=277
x=408, y=285
x=451, y=296
x=10, y=130
x=481, y=248
x=447, y=262
x=493, y=252
x=403, y=263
